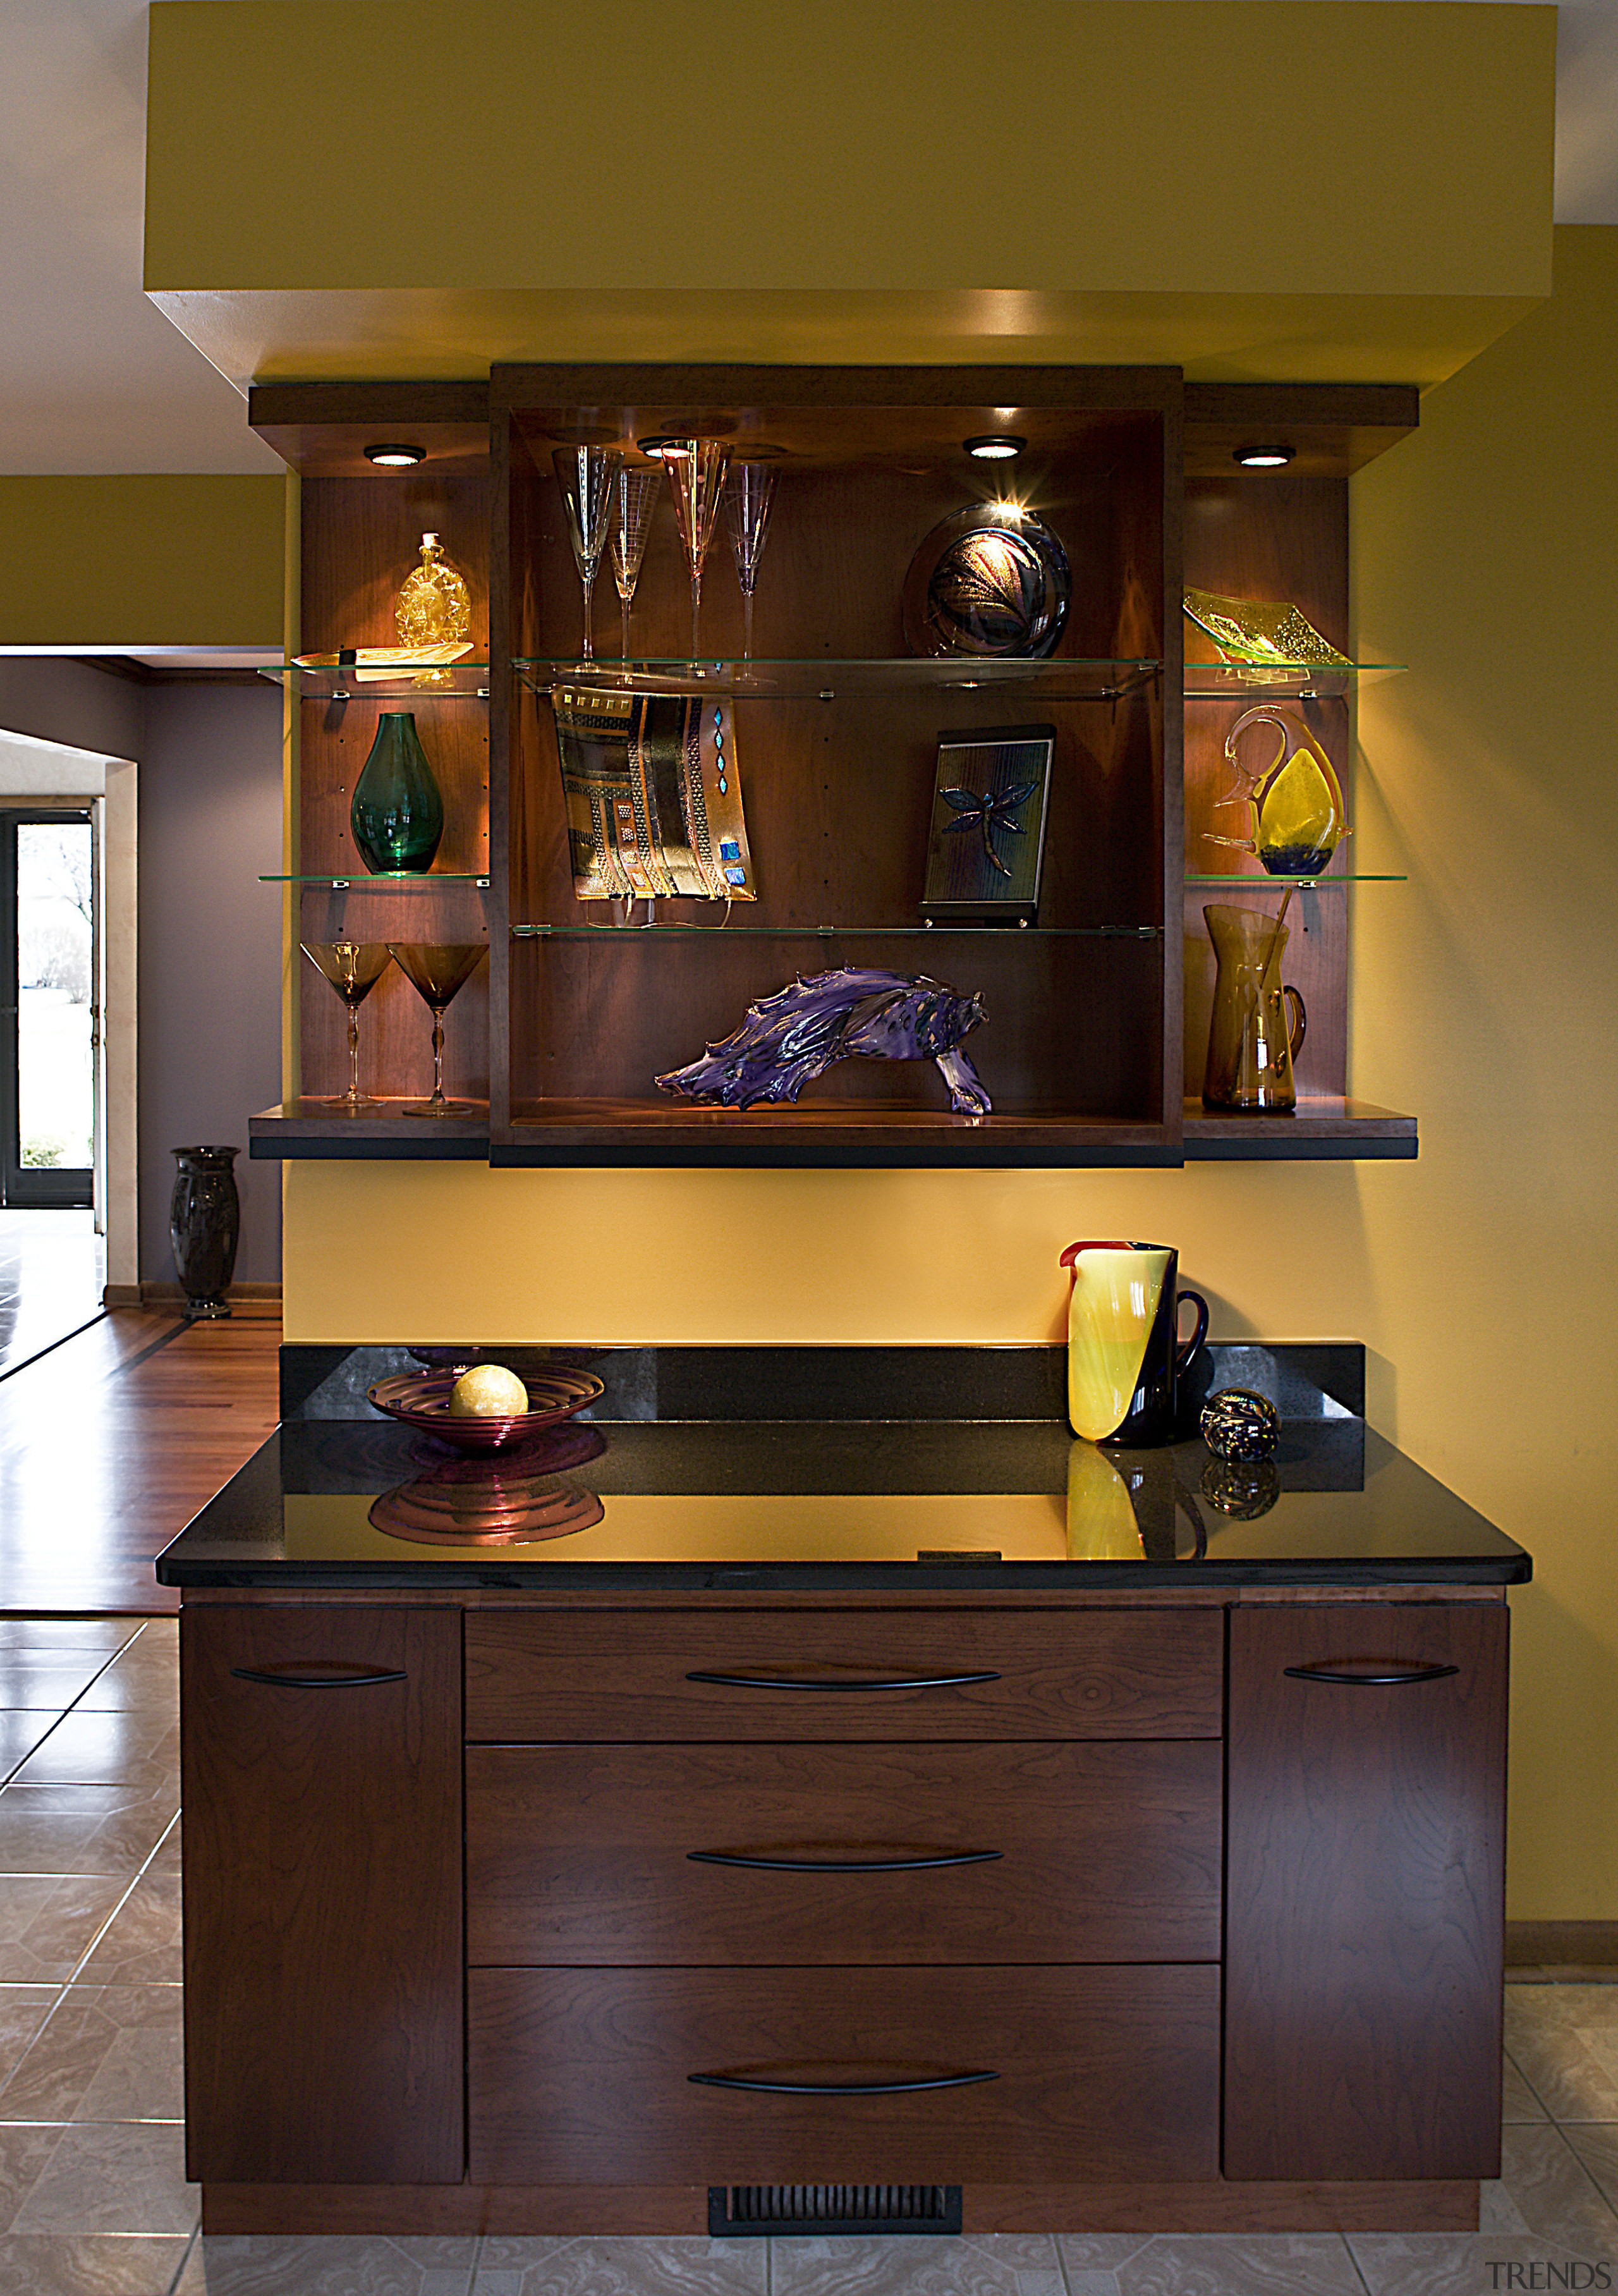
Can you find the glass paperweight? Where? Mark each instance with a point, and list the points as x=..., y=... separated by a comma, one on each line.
x=993, y=580
x=398, y=814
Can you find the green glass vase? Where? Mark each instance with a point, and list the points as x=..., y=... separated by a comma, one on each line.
x=398, y=814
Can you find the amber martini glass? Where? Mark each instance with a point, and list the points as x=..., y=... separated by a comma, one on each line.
x=437, y=974
x=353, y=968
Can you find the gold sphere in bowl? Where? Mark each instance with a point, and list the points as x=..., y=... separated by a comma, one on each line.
x=488, y=1391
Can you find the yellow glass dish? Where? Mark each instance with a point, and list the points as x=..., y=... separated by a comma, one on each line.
x=1260, y=629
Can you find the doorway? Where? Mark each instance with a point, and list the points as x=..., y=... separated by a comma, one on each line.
x=49, y=1009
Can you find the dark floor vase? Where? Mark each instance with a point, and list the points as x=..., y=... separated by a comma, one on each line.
x=204, y=1220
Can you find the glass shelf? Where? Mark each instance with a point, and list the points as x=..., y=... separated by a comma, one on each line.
x=465, y=681
x=933, y=933
x=399, y=883
x=1259, y=881
x=1256, y=681
x=807, y=680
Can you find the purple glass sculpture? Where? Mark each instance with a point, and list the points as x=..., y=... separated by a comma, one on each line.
x=788, y=1039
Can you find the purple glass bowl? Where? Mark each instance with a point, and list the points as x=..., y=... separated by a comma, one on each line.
x=421, y=1400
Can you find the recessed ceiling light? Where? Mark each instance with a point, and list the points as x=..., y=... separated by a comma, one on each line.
x=996, y=446
x=1263, y=458
x=396, y=458
x=658, y=446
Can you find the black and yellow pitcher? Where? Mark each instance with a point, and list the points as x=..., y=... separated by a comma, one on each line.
x=1124, y=1352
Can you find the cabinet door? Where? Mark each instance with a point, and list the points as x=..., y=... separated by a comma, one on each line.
x=1365, y=1889
x=323, y=2010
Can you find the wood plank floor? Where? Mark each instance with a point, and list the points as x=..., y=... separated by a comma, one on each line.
x=110, y=1443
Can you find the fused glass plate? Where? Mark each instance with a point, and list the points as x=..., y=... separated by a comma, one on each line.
x=1259, y=629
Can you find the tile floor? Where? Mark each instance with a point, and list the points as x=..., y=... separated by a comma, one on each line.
x=93, y=2199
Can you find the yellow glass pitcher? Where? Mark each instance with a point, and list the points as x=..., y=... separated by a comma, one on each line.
x=1258, y=1023
x=1124, y=1352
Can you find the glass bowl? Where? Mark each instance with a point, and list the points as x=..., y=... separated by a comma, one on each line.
x=421, y=1400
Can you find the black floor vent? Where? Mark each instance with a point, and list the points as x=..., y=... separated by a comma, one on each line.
x=737, y=2212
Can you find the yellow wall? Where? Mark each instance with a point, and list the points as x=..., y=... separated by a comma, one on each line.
x=1480, y=1278
x=1485, y=995
x=132, y=563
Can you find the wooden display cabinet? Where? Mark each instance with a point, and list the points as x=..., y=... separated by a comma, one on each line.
x=1096, y=1012
x=836, y=728
x=360, y=530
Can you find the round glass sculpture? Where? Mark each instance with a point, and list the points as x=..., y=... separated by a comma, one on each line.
x=1237, y=1425
x=992, y=581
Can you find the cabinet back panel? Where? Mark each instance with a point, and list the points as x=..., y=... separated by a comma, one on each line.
x=1072, y=1027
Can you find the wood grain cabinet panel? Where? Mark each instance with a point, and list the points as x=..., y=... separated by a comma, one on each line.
x=540, y=1678
x=576, y=2075
x=1080, y=1852
x=323, y=1951
x=1364, y=1916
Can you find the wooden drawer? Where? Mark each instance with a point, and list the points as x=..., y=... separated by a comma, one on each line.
x=544, y=1677
x=1096, y=1852
x=583, y=2075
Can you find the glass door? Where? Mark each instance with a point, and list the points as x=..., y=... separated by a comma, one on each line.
x=49, y=1007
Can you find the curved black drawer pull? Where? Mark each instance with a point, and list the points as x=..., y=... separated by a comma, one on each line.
x=839, y=2088
x=287, y=1677
x=1371, y=1681
x=846, y=1864
x=873, y=1682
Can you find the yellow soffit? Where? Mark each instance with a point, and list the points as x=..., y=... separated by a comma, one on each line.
x=432, y=335
x=1311, y=189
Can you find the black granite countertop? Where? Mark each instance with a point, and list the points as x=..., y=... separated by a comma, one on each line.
x=836, y=1470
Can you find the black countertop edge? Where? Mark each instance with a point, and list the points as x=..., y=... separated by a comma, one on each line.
x=999, y=1579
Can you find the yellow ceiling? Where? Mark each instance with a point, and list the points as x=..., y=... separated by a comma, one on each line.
x=1309, y=190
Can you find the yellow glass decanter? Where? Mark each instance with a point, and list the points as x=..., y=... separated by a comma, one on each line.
x=1295, y=801
x=432, y=607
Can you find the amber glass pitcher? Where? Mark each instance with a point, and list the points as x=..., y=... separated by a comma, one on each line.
x=1258, y=1023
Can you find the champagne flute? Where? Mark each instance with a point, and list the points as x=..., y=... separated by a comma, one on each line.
x=586, y=475
x=634, y=499
x=437, y=974
x=353, y=968
x=696, y=471
x=746, y=508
